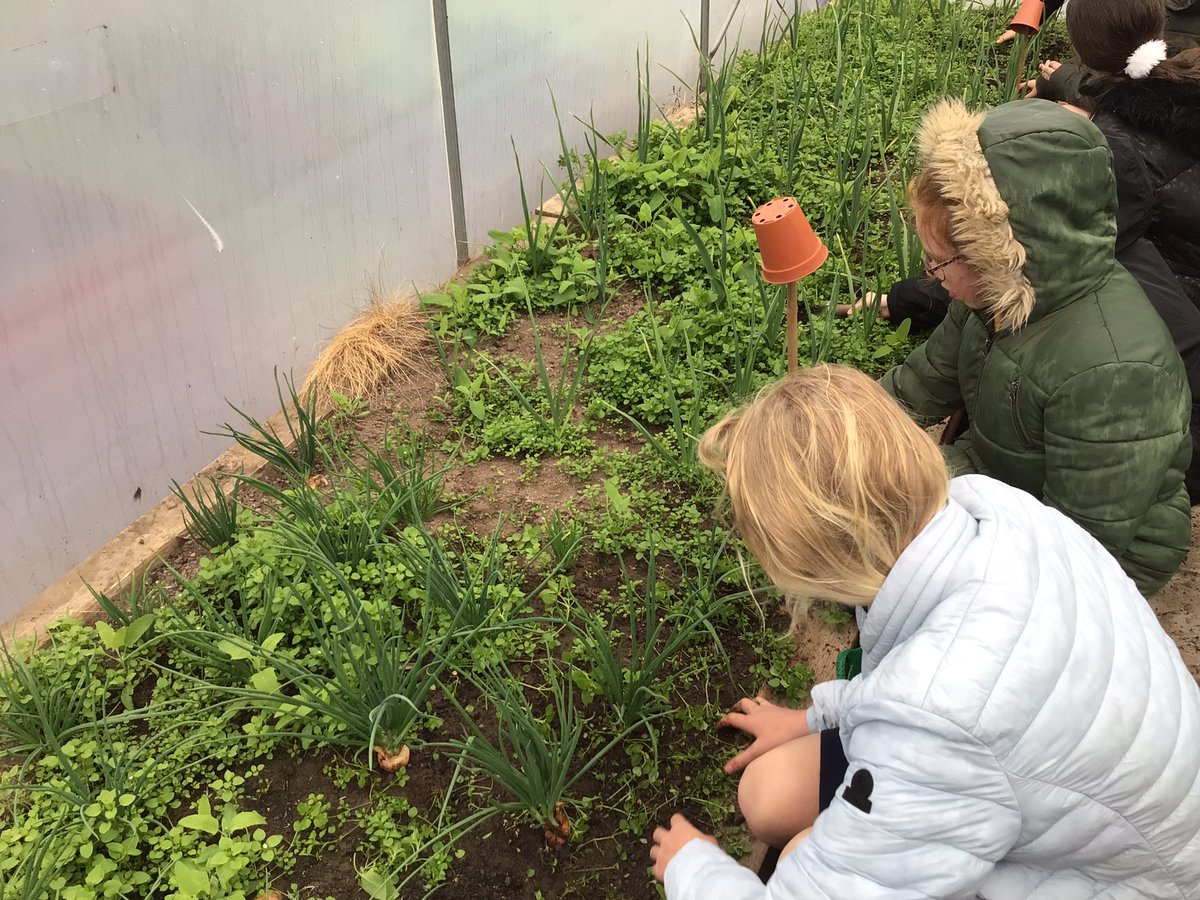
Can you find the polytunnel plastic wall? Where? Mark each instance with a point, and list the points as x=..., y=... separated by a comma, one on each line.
x=197, y=200
x=510, y=57
x=193, y=193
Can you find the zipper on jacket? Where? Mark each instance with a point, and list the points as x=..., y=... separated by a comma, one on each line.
x=989, y=328
x=1013, y=388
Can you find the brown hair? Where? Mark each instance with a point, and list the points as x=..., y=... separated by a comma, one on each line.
x=1106, y=32
x=829, y=481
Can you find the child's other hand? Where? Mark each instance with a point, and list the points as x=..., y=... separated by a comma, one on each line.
x=1006, y=37
x=849, y=309
x=1049, y=67
x=770, y=725
x=670, y=840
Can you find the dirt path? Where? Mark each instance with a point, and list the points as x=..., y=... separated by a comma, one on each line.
x=1177, y=603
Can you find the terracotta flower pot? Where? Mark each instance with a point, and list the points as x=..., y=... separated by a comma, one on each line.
x=790, y=248
x=1028, y=19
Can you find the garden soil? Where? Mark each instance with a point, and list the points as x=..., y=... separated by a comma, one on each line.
x=507, y=857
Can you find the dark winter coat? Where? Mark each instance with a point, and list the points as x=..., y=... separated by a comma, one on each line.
x=1153, y=127
x=1074, y=389
x=1183, y=24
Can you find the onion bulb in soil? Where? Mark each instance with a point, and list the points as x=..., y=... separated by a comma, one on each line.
x=391, y=762
x=557, y=835
x=269, y=895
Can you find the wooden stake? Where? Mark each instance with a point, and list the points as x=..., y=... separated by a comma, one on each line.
x=793, y=328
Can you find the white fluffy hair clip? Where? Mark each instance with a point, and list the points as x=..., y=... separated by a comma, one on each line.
x=1142, y=61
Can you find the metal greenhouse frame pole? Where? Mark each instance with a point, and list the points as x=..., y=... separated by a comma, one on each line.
x=458, y=209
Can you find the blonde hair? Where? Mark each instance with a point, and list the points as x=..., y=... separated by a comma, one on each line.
x=925, y=198
x=828, y=481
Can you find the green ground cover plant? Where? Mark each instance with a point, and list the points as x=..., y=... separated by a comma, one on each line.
x=446, y=682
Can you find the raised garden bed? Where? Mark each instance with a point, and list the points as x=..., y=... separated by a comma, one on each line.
x=507, y=573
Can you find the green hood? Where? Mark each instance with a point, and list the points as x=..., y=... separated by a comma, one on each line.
x=1035, y=201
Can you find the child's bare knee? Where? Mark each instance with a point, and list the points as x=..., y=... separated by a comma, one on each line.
x=756, y=800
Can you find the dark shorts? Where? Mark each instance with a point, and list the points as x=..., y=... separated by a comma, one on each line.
x=829, y=779
x=833, y=767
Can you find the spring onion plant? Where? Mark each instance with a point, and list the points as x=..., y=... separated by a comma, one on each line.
x=365, y=682
x=142, y=597
x=535, y=762
x=557, y=396
x=386, y=492
x=564, y=539
x=584, y=195
x=539, y=237
x=687, y=412
x=41, y=709
x=401, y=477
x=630, y=669
x=260, y=620
x=302, y=420
x=210, y=515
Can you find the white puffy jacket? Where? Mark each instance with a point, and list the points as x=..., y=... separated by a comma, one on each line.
x=1029, y=729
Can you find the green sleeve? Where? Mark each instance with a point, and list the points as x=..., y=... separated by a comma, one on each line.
x=961, y=458
x=1112, y=433
x=926, y=384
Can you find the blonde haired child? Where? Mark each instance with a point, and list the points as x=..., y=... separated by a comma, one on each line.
x=1022, y=727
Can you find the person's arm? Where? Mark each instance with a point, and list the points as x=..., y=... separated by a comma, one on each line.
x=829, y=698
x=922, y=301
x=1135, y=192
x=1111, y=433
x=926, y=383
x=961, y=458
x=925, y=811
x=1062, y=81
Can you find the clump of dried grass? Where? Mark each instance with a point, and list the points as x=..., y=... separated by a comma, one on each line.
x=387, y=340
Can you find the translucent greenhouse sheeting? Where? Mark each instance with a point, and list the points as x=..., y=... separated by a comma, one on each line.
x=191, y=193
x=509, y=57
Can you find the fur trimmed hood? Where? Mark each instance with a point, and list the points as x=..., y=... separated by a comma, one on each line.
x=948, y=141
x=1035, y=201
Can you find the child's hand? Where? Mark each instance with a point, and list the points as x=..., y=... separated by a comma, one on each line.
x=1006, y=37
x=770, y=725
x=868, y=298
x=670, y=840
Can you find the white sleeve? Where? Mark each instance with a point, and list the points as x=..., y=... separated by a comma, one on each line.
x=930, y=813
x=925, y=810
x=828, y=700
x=701, y=869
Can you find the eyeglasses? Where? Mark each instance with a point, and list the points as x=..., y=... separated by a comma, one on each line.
x=931, y=268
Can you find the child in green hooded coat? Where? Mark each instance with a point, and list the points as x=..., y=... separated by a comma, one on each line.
x=1074, y=390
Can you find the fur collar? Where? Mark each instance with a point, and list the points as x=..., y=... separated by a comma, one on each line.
x=948, y=141
x=1167, y=109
